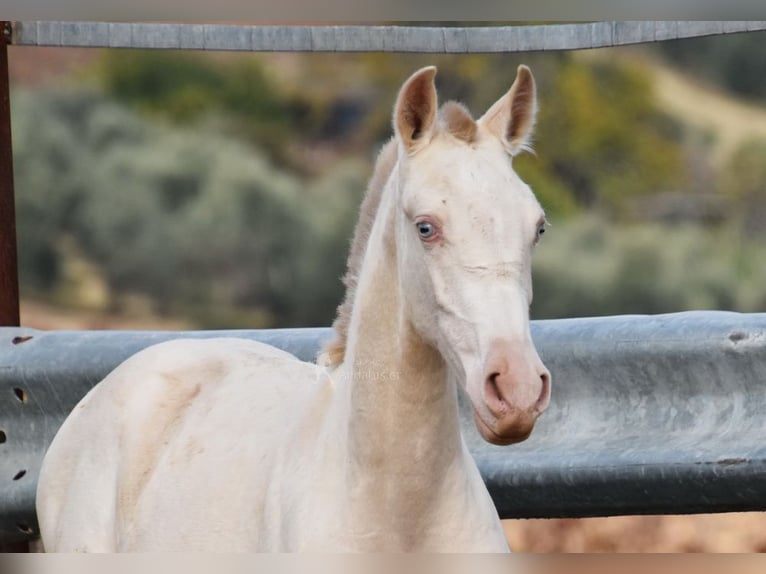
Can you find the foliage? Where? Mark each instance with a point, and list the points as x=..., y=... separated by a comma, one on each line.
x=191, y=221
x=51, y=176
x=745, y=173
x=202, y=222
x=743, y=180
x=617, y=145
x=187, y=88
x=600, y=138
x=589, y=267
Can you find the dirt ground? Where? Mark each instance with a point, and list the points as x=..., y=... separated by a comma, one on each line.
x=38, y=315
x=743, y=532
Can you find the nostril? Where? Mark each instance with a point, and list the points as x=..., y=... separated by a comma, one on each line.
x=493, y=396
x=491, y=386
x=545, y=391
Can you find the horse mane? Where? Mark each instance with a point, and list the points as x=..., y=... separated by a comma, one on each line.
x=335, y=350
x=454, y=119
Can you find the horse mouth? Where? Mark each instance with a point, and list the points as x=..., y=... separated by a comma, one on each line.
x=493, y=437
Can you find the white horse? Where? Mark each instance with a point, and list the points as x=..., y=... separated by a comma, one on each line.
x=233, y=445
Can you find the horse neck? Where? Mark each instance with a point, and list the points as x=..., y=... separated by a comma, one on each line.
x=401, y=407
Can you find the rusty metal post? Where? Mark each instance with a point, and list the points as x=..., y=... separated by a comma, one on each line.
x=9, y=274
x=9, y=278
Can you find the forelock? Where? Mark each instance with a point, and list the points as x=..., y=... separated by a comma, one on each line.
x=456, y=120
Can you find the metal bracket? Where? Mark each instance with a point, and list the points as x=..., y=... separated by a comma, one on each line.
x=9, y=32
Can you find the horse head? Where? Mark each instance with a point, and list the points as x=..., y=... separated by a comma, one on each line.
x=466, y=227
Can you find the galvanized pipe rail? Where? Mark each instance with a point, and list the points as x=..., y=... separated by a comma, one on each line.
x=650, y=414
x=424, y=39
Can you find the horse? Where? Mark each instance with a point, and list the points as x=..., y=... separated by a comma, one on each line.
x=233, y=445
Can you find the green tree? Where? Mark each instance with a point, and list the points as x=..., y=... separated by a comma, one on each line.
x=589, y=266
x=191, y=88
x=199, y=224
x=601, y=135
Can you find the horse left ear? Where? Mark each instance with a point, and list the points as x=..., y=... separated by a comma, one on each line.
x=512, y=117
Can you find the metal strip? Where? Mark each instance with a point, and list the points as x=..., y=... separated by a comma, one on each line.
x=505, y=39
x=650, y=415
x=9, y=280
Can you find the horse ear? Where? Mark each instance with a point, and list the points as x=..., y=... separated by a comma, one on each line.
x=512, y=117
x=415, y=110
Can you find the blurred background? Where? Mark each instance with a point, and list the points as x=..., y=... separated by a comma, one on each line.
x=165, y=190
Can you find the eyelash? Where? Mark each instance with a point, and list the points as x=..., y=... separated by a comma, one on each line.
x=540, y=230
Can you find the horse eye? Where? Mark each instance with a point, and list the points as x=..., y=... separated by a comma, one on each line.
x=426, y=230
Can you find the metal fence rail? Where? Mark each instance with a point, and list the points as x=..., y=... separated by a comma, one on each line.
x=460, y=40
x=657, y=414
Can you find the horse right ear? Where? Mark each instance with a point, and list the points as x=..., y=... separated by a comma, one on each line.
x=415, y=110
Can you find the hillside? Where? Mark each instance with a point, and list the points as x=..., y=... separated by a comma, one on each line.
x=733, y=120
x=727, y=119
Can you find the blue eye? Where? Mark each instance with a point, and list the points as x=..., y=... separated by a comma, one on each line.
x=426, y=230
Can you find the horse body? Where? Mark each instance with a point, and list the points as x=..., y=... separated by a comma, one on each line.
x=231, y=445
x=177, y=457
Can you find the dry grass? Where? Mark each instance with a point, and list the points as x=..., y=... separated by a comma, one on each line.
x=38, y=315
x=736, y=532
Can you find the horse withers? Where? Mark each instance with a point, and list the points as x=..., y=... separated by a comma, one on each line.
x=233, y=445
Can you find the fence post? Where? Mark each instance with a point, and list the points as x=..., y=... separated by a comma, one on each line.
x=9, y=279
